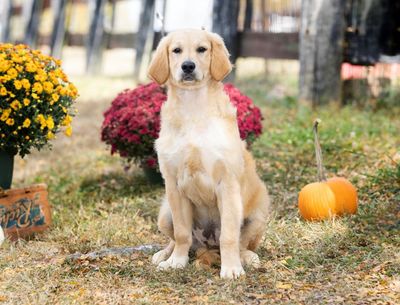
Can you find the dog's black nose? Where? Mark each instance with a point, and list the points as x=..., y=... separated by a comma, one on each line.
x=188, y=66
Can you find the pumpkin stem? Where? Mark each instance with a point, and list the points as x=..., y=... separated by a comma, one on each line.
x=318, y=152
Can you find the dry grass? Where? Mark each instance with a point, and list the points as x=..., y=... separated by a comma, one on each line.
x=96, y=204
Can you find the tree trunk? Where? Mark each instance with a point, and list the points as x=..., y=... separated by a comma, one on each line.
x=321, y=48
x=146, y=28
x=6, y=8
x=95, y=38
x=58, y=33
x=32, y=25
x=225, y=23
x=248, y=17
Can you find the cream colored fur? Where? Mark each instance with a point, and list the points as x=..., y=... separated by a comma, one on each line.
x=210, y=177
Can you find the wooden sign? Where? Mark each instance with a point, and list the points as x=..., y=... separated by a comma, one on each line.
x=24, y=211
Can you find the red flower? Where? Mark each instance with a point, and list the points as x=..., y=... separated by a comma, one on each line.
x=132, y=123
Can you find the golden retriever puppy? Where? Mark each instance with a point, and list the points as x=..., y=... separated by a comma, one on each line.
x=214, y=197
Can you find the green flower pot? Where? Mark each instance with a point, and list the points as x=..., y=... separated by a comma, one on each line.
x=6, y=169
x=153, y=175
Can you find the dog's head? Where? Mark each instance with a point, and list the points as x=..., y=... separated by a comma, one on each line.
x=190, y=58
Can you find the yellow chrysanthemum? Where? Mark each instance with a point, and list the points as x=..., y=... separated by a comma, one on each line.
x=30, y=67
x=5, y=114
x=41, y=119
x=15, y=105
x=50, y=123
x=55, y=97
x=48, y=87
x=68, y=131
x=17, y=84
x=26, y=84
x=10, y=122
x=3, y=91
x=67, y=120
x=38, y=88
x=26, y=102
x=50, y=135
x=26, y=123
x=4, y=65
x=12, y=73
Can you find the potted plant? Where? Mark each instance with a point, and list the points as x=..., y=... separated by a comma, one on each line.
x=132, y=123
x=35, y=104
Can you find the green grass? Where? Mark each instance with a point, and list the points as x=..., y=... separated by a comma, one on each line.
x=96, y=204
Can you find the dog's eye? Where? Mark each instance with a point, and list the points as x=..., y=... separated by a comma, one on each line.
x=201, y=49
x=177, y=50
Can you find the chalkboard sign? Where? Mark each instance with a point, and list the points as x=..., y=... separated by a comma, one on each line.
x=24, y=212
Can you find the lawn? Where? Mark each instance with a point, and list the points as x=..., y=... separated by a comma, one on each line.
x=98, y=203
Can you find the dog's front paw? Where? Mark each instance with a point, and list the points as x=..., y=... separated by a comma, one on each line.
x=174, y=262
x=231, y=272
x=249, y=258
x=160, y=256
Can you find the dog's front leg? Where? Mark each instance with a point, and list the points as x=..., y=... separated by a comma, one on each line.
x=231, y=211
x=182, y=218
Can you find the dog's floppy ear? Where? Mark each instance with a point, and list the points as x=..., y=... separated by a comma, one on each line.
x=220, y=65
x=159, y=66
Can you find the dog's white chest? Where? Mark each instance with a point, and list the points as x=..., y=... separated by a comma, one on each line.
x=209, y=138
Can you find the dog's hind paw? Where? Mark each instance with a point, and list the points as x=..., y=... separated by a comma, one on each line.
x=249, y=258
x=174, y=262
x=160, y=256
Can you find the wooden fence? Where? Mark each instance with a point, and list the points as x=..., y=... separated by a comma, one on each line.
x=321, y=33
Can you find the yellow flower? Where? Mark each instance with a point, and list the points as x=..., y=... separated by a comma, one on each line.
x=3, y=91
x=26, y=102
x=12, y=73
x=30, y=67
x=48, y=87
x=26, y=123
x=68, y=131
x=26, y=84
x=38, y=88
x=35, y=96
x=26, y=137
x=17, y=84
x=41, y=76
x=4, y=65
x=5, y=114
x=50, y=135
x=15, y=105
x=40, y=118
x=67, y=120
x=55, y=97
x=10, y=122
x=50, y=123
x=19, y=68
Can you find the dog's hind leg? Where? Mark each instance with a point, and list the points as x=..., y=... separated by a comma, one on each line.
x=166, y=227
x=253, y=230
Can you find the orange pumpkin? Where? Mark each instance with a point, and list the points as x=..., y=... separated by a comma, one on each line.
x=326, y=198
x=345, y=194
x=317, y=201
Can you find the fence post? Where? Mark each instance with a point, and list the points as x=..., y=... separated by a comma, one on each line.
x=225, y=23
x=321, y=47
x=32, y=25
x=95, y=38
x=146, y=27
x=6, y=8
x=248, y=16
x=58, y=33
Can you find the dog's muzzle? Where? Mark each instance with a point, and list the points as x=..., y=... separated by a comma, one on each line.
x=188, y=68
